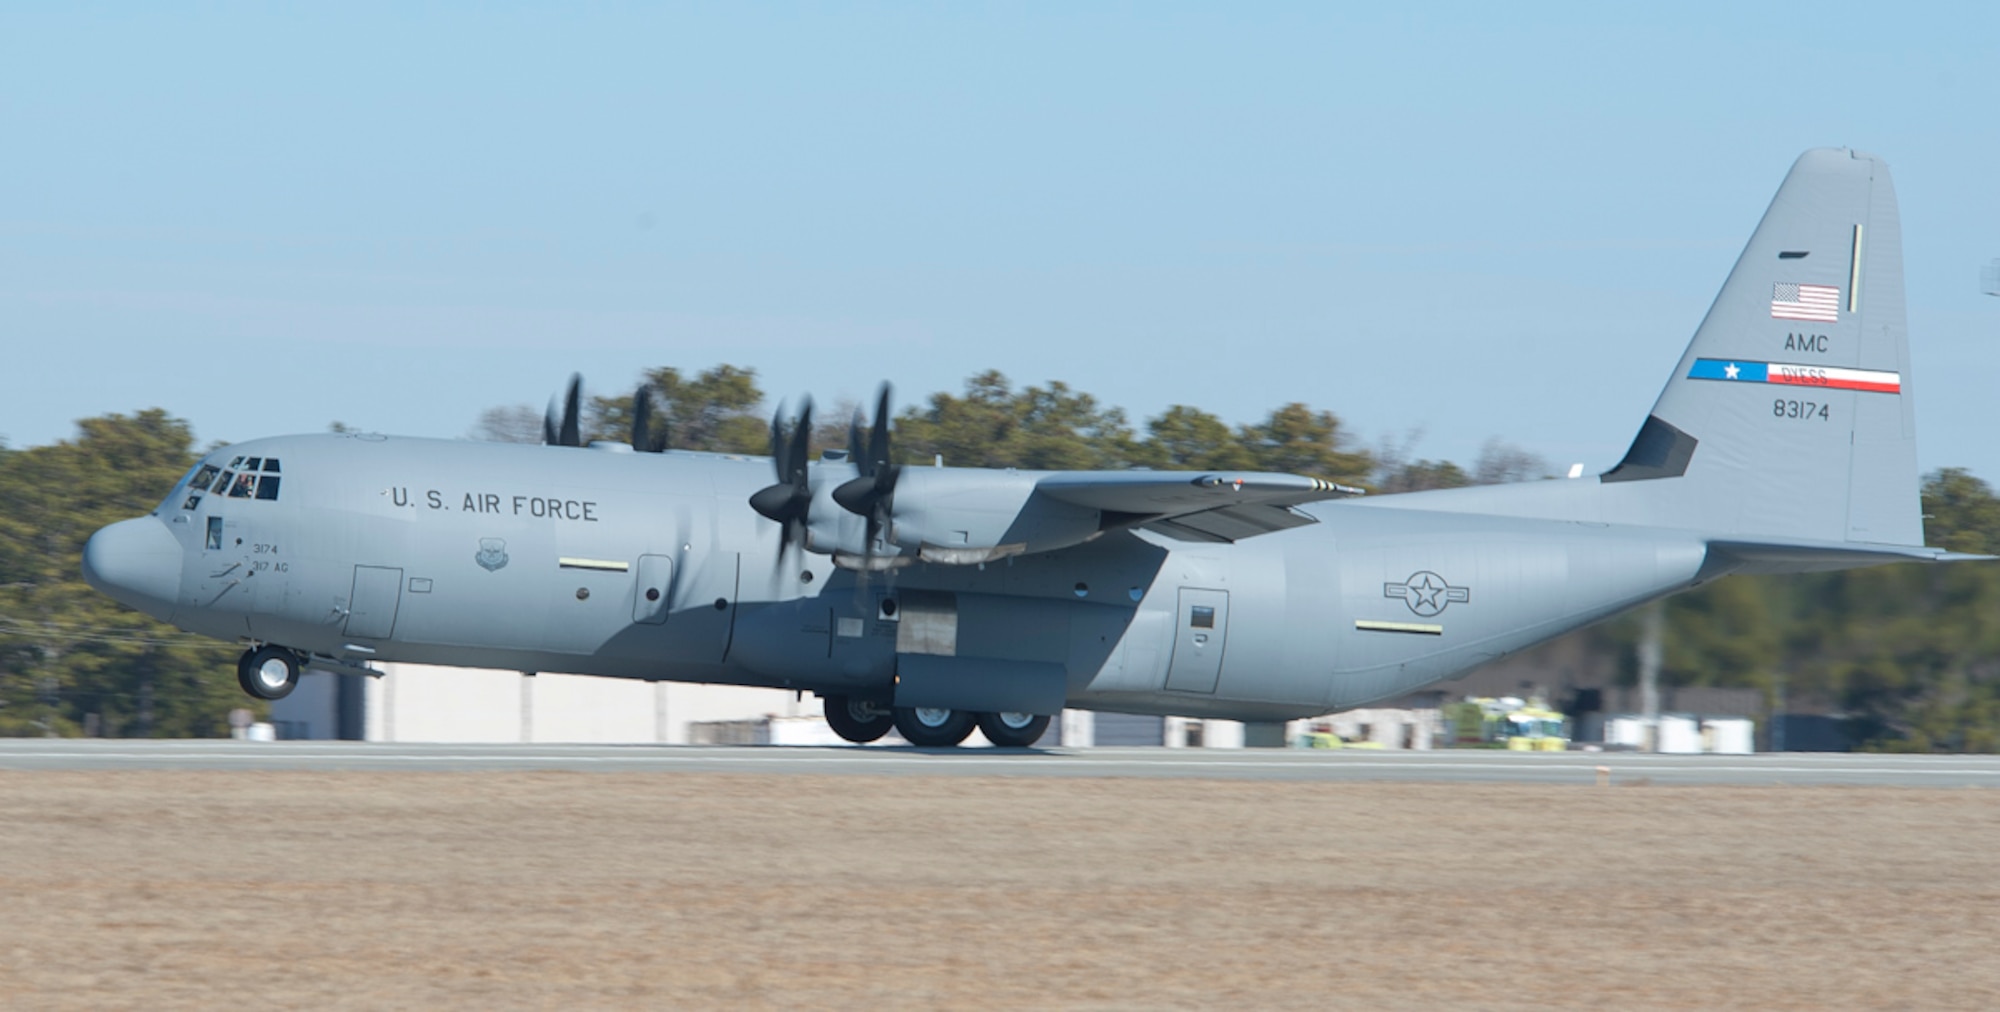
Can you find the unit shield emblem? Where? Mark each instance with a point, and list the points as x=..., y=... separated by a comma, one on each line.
x=492, y=554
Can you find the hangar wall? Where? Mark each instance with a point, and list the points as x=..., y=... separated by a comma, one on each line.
x=416, y=702
x=427, y=703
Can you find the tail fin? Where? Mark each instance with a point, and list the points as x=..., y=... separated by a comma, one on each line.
x=1789, y=420
x=1791, y=414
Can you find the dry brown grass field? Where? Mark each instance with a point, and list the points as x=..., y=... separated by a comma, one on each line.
x=461, y=890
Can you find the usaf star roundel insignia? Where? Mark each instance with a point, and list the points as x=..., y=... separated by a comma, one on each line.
x=1427, y=593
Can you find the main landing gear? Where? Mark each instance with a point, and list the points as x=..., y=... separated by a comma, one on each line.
x=861, y=721
x=268, y=672
x=857, y=720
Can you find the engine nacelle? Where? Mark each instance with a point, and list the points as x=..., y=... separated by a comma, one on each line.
x=951, y=517
x=966, y=517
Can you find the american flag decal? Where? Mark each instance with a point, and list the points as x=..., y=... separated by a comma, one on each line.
x=1820, y=303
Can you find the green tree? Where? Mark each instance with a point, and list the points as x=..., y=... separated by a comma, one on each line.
x=1192, y=439
x=1421, y=475
x=1961, y=512
x=1910, y=654
x=1298, y=439
x=718, y=410
x=993, y=425
x=70, y=657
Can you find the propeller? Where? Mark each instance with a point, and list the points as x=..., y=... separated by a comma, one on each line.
x=564, y=432
x=873, y=494
x=644, y=439
x=787, y=501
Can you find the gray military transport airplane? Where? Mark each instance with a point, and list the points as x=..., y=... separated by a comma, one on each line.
x=932, y=599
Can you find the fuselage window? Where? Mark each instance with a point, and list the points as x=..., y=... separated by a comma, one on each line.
x=237, y=462
x=192, y=502
x=270, y=465
x=245, y=485
x=254, y=464
x=222, y=484
x=214, y=534
x=1201, y=617
x=203, y=477
x=267, y=487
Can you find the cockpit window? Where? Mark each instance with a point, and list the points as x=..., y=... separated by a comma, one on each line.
x=240, y=480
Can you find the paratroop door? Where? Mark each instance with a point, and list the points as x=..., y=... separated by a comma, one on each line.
x=1199, y=630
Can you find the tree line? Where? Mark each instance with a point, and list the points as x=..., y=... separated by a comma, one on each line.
x=1910, y=653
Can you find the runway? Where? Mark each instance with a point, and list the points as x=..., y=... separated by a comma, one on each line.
x=1285, y=765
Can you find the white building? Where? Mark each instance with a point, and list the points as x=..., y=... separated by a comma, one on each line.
x=426, y=703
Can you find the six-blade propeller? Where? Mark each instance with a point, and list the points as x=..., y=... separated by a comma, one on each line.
x=870, y=495
x=873, y=494
x=644, y=439
x=788, y=501
x=563, y=429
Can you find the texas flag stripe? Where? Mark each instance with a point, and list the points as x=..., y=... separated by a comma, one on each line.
x=1796, y=375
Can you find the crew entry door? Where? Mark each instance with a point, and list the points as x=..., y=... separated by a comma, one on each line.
x=371, y=611
x=1198, y=636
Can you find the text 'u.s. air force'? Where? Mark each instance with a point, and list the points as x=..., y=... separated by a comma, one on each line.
x=502, y=504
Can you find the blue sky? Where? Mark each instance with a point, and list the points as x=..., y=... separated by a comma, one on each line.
x=1471, y=221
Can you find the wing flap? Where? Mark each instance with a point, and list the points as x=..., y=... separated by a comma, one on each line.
x=1230, y=523
x=1192, y=506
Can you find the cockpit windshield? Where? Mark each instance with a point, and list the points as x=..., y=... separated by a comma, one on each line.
x=241, y=478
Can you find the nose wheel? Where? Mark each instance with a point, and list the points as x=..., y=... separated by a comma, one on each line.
x=268, y=672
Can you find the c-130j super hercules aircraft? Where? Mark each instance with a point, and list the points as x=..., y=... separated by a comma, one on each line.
x=932, y=599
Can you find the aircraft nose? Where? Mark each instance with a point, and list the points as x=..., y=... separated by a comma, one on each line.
x=135, y=562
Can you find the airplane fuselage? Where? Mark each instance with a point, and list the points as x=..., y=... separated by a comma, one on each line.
x=648, y=566
x=1782, y=442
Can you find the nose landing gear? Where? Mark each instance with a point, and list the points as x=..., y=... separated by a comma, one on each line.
x=268, y=672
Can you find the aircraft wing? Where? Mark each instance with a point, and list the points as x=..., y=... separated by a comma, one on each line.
x=1216, y=507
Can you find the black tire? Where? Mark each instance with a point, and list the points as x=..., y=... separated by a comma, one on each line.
x=925, y=727
x=856, y=720
x=268, y=672
x=1013, y=730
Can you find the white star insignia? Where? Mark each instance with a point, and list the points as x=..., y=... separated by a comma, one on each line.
x=1730, y=370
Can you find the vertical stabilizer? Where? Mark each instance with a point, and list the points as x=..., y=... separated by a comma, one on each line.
x=1791, y=415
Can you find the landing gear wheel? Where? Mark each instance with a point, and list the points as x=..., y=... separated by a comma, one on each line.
x=932, y=727
x=857, y=720
x=1013, y=730
x=268, y=672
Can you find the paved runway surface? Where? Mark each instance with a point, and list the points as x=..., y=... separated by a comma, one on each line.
x=1818, y=769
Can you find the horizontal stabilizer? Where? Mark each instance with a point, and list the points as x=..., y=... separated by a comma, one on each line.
x=1802, y=556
